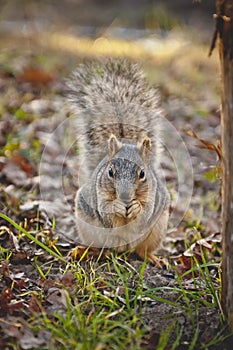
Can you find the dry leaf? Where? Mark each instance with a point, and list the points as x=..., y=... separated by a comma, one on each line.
x=23, y=164
x=36, y=76
x=84, y=253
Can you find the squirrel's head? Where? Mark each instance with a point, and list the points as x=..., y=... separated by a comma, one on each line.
x=143, y=147
x=127, y=171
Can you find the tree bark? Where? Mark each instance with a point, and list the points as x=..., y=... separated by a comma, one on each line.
x=224, y=30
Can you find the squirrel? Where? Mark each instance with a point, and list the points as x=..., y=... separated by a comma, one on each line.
x=122, y=200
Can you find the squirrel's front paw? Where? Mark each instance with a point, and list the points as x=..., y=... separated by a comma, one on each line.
x=119, y=208
x=134, y=209
x=128, y=211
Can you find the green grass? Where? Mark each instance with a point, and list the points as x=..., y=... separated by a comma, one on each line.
x=32, y=238
x=98, y=316
x=104, y=307
x=91, y=324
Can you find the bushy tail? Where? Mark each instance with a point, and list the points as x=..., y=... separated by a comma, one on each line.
x=112, y=97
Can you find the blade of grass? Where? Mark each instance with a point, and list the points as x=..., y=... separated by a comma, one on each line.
x=32, y=238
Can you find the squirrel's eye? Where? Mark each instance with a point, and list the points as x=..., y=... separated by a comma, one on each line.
x=142, y=174
x=110, y=172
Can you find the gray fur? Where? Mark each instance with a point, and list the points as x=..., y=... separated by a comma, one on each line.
x=112, y=98
x=122, y=198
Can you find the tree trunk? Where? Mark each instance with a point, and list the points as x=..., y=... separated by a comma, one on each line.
x=224, y=28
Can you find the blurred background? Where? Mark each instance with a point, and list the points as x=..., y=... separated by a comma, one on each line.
x=96, y=16
x=173, y=36
x=116, y=19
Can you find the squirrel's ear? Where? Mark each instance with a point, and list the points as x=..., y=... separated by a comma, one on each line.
x=114, y=145
x=144, y=147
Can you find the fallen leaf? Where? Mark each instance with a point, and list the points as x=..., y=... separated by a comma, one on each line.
x=68, y=279
x=5, y=296
x=36, y=76
x=34, y=304
x=15, y=175
x=5, y=272
x=31, y=340
x=13, y=238
x=11, y=328
x=57, y=297
x=84, y=253
x=23, y=164
x=15, y=305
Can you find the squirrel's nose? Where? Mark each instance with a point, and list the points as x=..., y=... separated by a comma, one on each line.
x=125, y=192
x=126, y=198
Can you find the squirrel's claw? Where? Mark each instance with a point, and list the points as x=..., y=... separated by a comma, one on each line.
x=134, y=209
x=127, y=211
x=119, y=208
x=157, y=261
